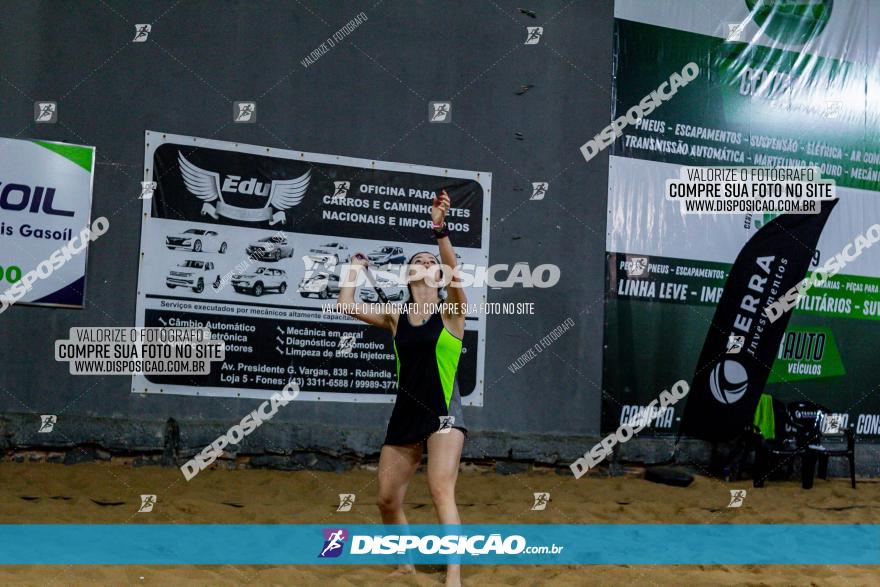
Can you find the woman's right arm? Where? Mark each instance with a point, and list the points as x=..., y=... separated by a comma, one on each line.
x=369, y=313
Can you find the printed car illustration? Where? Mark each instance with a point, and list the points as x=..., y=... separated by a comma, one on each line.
x=330, y=253
x=256, y=283
x=390, y=286
x=197, y=241
x=191, y=274
x=387, y=256
x=322, y=285
x=271, y=248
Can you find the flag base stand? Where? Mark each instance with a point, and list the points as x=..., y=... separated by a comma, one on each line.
x=674, y=476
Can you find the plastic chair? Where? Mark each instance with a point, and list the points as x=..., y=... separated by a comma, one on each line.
x=843, y=444
x=795, y=431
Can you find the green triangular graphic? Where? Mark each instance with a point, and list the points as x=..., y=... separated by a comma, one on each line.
x=82, y=156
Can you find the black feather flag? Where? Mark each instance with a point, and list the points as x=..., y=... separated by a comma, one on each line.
x=742, y=341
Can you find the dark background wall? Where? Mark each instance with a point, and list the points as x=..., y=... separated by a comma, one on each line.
x=368, y=97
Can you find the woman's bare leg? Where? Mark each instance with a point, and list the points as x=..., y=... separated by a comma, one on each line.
x=397, y=464
x=444, y=456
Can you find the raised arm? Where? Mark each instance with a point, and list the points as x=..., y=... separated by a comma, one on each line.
x=455, y=297
x=369, y=313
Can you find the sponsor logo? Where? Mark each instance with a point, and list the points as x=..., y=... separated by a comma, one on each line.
x=334, y=542
x=47, y=423
x=728, y=381
x=440, y=112
x=806, y=352
x=18, y=197
x=807, y=414
x=533, y=34
x=750, y=303
x=141, y=32
x=283, y=194
x=737, y=496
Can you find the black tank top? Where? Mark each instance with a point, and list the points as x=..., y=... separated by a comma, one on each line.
x=427, y=392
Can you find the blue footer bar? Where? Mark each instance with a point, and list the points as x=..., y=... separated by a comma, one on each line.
x=293, y=544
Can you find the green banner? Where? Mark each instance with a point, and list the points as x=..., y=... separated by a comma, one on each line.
x=780, y=84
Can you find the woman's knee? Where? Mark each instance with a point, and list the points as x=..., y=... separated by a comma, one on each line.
x=389, y=501
x=442, y=488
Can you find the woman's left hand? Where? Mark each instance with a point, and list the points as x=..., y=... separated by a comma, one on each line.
x=440, y=208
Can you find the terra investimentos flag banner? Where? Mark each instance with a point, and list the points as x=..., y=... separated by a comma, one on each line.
x=779, y=84
x=45, y=205
x=731, y=374
x=251, y=243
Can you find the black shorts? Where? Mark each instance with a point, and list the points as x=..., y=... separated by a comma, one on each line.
x=414, y=420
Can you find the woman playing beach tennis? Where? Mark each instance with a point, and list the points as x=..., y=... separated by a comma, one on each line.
x=427, y=412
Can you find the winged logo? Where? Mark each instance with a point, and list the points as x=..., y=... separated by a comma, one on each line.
x=205, y=185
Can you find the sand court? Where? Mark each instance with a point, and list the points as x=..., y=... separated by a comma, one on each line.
x=109, y=493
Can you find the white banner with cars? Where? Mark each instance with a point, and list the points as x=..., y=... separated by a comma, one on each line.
x=250, y=242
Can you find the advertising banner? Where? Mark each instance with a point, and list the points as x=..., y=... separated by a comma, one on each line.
x=45, y=203
x=780, y=84
x=741, y=342
x=251, y=242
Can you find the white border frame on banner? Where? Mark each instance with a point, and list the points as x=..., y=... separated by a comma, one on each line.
x=89, y=204
x=153, y=140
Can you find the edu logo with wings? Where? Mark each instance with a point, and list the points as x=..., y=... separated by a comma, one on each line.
x=278, y=195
